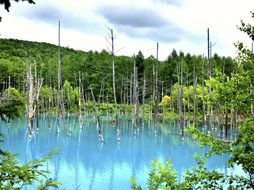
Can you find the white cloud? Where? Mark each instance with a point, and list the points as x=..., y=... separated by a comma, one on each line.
x=83, y=27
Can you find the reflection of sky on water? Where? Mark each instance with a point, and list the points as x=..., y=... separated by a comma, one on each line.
x=83, y=161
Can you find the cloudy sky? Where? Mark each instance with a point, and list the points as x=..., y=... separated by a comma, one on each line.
x=138, y=24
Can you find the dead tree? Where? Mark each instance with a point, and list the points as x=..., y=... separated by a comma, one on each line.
x=155, y=89
x=180, y=96
x=156, y=80
x=135, y=96
x=33, y=96
x=112, y=37
x=99, y=129
x=60, y=108
x=79, y=100
x=194, y=96
x=209, y=54
x=143, y=99
x=203, y=94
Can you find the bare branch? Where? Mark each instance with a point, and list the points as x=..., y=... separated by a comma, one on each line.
x=120, y=49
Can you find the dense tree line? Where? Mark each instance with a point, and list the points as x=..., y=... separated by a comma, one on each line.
x=95, y=70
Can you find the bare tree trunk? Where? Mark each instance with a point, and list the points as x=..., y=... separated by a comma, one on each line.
x=33, y=98
x=59, y=79
x=121, y=93
x=99, y=129
x=79, y=100
x=125, y=102
x=156, y=81
x=209, y=54
x=162, y=89
x=180, y=97
x=171, y=94
x=112, y=36
x=135, y=97
x=181, y=101
x=30, y=100
x=131, y=90
x=195, y=96
x=153, y=85
x=226, y=125
x=209, y=74
x=155, y=73
x=9, y=86
x=143, y=99
x=203, y=95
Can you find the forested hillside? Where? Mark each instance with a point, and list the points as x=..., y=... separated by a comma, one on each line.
x=94, y=69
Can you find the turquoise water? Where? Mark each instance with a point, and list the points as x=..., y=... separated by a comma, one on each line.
x=85, y=163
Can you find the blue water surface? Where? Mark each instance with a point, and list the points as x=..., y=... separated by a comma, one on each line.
x=83, y=162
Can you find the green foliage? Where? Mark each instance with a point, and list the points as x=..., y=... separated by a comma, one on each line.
x=229, y=92
x=242, y=155
x=165, y=102
x=134, y=185
x=16, y=176
x=95, y=69
x=140, y=64
x=216, y=146
x=188, y=96
x=243, y=148
x=160, y=177
x=170, y=116
x=11, y=104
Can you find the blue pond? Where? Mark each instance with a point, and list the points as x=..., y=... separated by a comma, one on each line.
x=85, y=163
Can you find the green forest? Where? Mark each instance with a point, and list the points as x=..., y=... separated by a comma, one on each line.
x=84, y=70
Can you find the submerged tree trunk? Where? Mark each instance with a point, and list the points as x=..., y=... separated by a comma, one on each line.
x=135, y=97
x=33, y=98
x=203, y=95
x=226, y=125
x=195, y=96
x=99, y=129
x=180, y=97
x=156, y=80
x=112, y=38
x=79, y=100
x=155, y=88
x=143, y=99
x=30, y=109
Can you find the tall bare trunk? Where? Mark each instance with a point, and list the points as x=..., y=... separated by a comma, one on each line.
x=209, y=74
x=203, y=94
x=112, y=38
x=33, y=97
x=30, y=100
x=195, y=95
x=156, y=81
x=59, y=79
x=135, y=96
x=180, y=97
x=143, y=99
